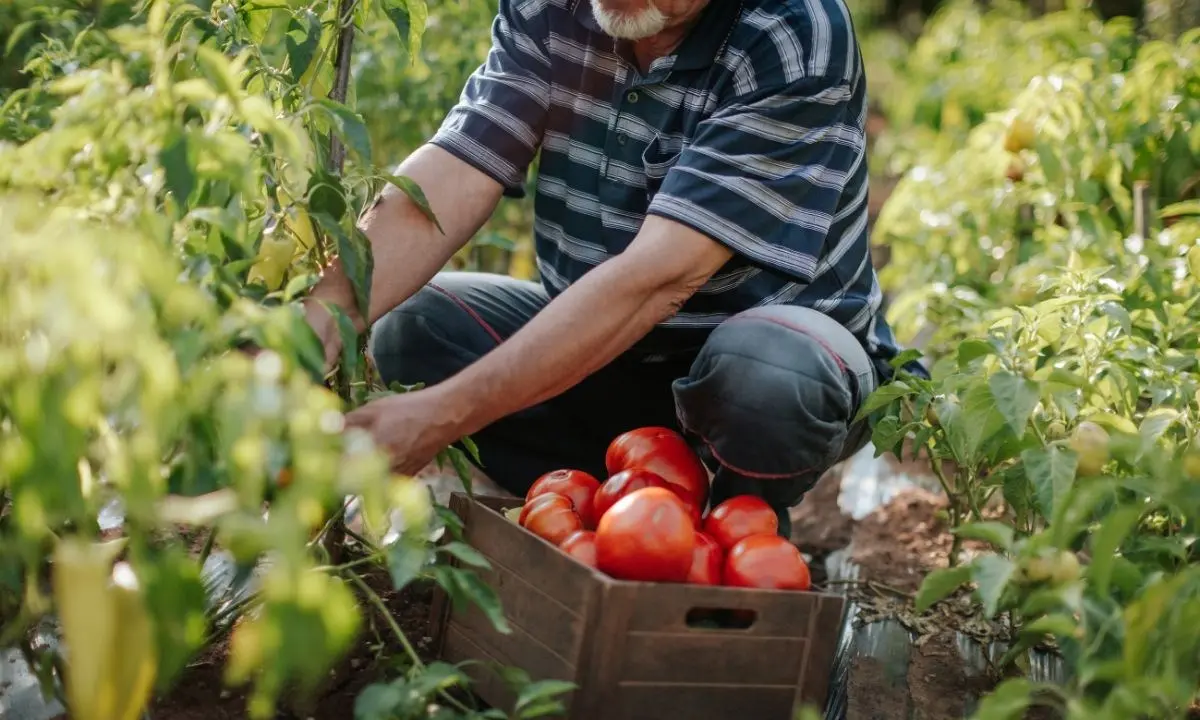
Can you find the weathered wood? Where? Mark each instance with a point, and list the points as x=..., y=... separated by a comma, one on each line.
x=629, y=646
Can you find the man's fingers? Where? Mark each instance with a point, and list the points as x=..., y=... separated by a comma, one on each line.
x=363, y=417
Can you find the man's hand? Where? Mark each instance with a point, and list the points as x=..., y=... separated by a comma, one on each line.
x=412, y=428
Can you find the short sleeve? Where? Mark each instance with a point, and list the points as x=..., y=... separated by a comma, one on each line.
x=498, y=122
x=766, y=174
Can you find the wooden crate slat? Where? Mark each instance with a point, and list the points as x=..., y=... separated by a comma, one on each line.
x=777, y=613
x=713, y=658
x=552, y=624
x=543, y=565
x=701, y=702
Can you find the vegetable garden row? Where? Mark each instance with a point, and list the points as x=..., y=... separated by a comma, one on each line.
x=175, y=172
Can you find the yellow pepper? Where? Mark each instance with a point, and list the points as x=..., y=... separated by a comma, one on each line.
x=111, y=661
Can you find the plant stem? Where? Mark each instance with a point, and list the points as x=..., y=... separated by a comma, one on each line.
x=208, y=546
x=341, y=80
x=374, y=599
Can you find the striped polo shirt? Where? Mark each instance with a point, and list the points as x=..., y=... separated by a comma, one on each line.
x=751, y=133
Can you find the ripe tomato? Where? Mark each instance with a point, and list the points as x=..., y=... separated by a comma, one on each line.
x=739, y=517
x=707, y=559
x=575, y=485
x=646, y=536
x=551, y=517
x=768, y=562
x=664, y=452
x=581, y=545
x=620, y=485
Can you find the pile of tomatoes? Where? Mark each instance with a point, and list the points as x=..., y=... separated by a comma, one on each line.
x=646, y=522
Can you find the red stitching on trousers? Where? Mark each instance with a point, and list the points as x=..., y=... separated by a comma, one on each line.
x=748, y=473
x=467, y=309
x=803, y=331
x=773, y=476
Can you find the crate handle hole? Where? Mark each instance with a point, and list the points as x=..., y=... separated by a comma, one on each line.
x=708, y=618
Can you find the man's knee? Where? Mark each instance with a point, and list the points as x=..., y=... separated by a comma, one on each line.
x=774, y=391
x=426, y=339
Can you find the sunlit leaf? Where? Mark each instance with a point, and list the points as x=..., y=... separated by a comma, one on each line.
x=1050, y=470
x=303, y=37
x=991, y=574
x=1016, y=397
x=940, y=584
x=414, y=192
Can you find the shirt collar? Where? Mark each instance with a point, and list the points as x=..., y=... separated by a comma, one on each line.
x=702, y=46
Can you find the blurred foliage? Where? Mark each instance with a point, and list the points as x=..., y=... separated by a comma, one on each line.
x=167, y=195
x=404, y=100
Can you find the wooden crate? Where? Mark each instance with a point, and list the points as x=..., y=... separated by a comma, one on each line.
x=629, y=646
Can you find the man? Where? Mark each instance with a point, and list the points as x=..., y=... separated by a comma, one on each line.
x=701, y=239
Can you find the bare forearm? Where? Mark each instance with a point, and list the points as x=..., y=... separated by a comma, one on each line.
x=407, y=246
x=587, y=326
x=580, y=331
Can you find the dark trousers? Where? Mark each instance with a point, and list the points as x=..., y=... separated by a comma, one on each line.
x=767, y=397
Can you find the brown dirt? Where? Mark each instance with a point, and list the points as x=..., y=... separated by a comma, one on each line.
x=200, y=694
x=818, y=524
x=871, y=694
x=898, y=544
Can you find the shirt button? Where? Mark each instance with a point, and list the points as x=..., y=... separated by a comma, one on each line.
x=632, y=96
x=621, y=138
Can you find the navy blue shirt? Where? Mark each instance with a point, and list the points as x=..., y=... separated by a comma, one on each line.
x=751, y=133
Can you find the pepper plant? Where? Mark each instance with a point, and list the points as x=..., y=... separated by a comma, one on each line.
x=1059, y=301
x=170, y=186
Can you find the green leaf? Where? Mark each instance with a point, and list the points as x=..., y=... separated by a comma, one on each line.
x=219, y=70
x=1156, y=422
x=1008, y=701
x=463, y=586
x=355, y=255
x=178, y=169
x=997, y=533
x=882, y=397
x=1016, y=397
x=472, y=449
x=349, y=337
x=1105, y=542
x=991, y=573
x=971, y=350
x=409, y=17
x=406, y=558
x=380, y=701
x=465, y=554
x=939, y=584
x=1050, y=470
x=325, y=196
x=303, y=38
x=1057, y=624
x=414, y=192
x=1187, y=207
x=462, y=467
x=538, y=699
x=299, y=285
x=349, y=127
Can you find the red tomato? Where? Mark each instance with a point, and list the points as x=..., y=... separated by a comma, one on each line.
x=551, y=517
x=620, y=485
x=664, y=452
x=739, y=517
x=581, y=545
x=646, y=536
x=575, y=485
x=766, y=561
x=707, y=559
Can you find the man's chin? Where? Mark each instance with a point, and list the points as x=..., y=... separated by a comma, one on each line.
x=630, y=26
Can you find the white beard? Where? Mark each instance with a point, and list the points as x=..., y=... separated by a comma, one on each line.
x=630, y=26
